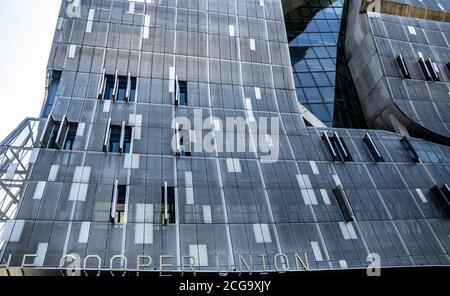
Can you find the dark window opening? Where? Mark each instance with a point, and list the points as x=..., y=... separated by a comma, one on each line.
x=53, y=135
x=344, y=204
x=118, y=138
x=403, y=68
x=373, y=149
x=133, y=85
x=307, y=123
x=123, y=89
x=109, y=87
x=70, y=137
x=59, y=134
x=331, y=147
x=442, y=196
x=336, y=147
x=114, y=138
x=183, y=95
x=168, y=205
x=127, y=140
x=52, y=90
x=342, y=148
x=425, y=70
x=119, y=199
x=432, y=70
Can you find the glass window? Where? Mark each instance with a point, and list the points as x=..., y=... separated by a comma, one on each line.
x=183, y=93
x=127, y=139
x=114, y=139
x=109, y=87
x=70, y=137
x=53, y=135
x=52, y=90
x=168, y=205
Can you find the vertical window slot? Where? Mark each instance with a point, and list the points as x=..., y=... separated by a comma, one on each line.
x=425, y=70
x=108, y=87
x=432, y=70
x=115, y=139
x=51, y=93
x=183, y=95
x=118, y=203
x=168, y=204
x=342, y=147
x=442, y=196
x=71, y=135
x=330, y=148
x=46, y=132
x=373, y=149
x=344, y=204
x=62, y=132
x=403, y=68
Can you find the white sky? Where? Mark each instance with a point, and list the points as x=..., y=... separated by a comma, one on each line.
x=26, y=34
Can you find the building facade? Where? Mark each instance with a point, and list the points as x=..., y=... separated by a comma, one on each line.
x=172, y=139
x=399, y=59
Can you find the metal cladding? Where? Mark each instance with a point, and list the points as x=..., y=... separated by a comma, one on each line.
x=171, y=139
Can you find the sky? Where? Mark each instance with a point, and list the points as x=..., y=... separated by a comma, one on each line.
x=26, y=34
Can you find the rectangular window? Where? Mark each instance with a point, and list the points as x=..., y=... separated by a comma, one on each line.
x=131, y=92
x=119, y=88
x=53, y=135
x=58, y=134
x=344, y=204
x=336, y=147
x=403, y=68
x=70, y=136
x=331, y=147
x=122, y=89
x=118, y=203
x=118, y=138
x=109, y=87
x=51, y=94
x=373, y=149
x=342, y=147
x=425, y=70
x=183, y=93
x=114, y=139
x=432, y=68
x=127, y=140
x=442, y=196
x=168, y=205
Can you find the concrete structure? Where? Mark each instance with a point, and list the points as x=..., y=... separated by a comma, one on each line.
x=112, y=177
